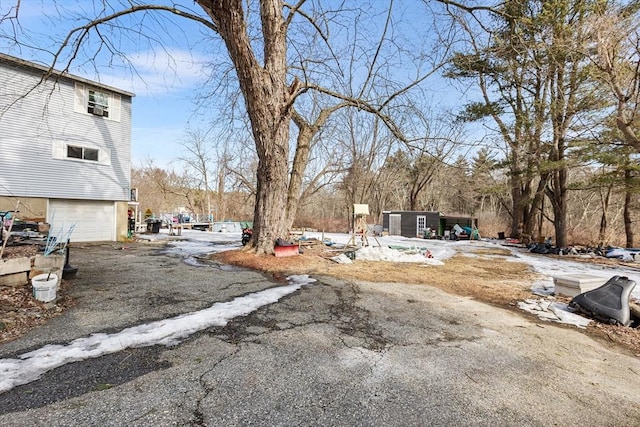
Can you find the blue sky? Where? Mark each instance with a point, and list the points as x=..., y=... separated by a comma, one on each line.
x=163, y=105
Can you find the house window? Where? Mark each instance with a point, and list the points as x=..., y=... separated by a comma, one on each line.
x=77, y=151
x=98, y=103
x=83, y=153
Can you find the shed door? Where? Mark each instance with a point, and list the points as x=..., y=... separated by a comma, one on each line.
x=92, y=221
x=394, y=224
x=421, y=225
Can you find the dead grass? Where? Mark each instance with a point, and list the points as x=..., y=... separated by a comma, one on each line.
x=485, y=275
x=479, y=276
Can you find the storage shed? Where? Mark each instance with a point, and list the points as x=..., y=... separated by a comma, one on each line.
x=414, y=223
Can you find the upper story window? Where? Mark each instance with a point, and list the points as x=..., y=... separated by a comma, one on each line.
x=97, y=102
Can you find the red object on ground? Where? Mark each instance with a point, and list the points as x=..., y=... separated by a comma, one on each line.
x=282, y=251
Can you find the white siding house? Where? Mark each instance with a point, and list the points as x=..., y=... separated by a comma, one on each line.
x=65, y=150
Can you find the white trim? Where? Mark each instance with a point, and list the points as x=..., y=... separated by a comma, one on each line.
x=104, y=156
x=115, y=103
x=79, y=98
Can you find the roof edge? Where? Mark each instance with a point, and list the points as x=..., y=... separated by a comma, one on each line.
x=23, y=62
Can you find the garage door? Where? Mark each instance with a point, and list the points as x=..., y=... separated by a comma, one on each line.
x=92, y=221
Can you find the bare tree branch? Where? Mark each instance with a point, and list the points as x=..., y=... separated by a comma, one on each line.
x=76, y=36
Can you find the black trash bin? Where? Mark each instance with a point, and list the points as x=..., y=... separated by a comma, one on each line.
x=501, y=235
x=153, y=225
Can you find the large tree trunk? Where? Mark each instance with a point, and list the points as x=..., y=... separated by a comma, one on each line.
x=628, y=225
x=267, y=98
x=558, y=197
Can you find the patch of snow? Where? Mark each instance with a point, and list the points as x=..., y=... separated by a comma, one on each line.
x=342, y=259
x=543, y=287
x=553, y=311
x=30, y=366
x=371, y=253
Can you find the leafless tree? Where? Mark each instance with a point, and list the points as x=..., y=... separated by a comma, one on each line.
x=198, y=146
x=163, y=191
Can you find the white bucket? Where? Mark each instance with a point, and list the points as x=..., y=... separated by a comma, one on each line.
x=44, y=289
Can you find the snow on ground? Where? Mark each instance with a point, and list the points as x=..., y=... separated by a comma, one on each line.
x=30, y=366
x=441, y=250
x=413, y=250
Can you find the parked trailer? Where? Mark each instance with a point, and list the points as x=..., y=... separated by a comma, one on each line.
x=202, y=226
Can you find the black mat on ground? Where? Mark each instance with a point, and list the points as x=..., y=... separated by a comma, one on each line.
x=609, y=303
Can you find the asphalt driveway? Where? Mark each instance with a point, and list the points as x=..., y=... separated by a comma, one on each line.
x=332, y=353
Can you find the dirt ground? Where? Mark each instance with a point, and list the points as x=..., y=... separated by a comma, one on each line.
x=19, y=311
x=485, y=275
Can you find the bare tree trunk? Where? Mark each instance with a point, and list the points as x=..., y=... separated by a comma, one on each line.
x=628, y=224
x=222, y=209
x=268, y=102
x=517, y=204
x=306, y=133
x=541, y=221
x=303, y=148
x=558, y=198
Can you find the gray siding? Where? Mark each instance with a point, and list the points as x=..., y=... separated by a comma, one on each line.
x=29, y=125
x=409, y=221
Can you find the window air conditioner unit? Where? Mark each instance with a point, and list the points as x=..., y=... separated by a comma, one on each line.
x=98, y=111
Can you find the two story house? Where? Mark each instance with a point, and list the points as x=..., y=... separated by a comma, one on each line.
x=65, y=151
